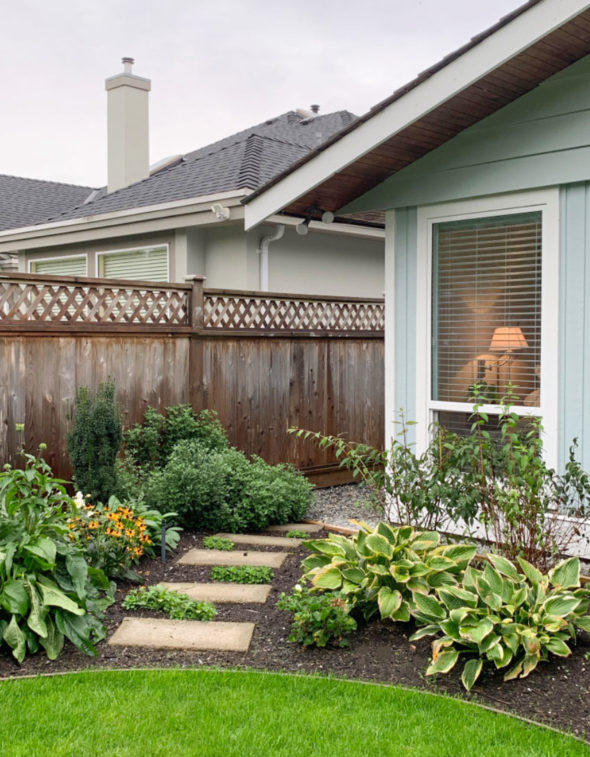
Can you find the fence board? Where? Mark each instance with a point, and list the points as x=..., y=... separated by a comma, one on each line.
x=290, y=361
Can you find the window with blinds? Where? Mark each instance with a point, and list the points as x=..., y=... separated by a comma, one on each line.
x=147, y=264
x=74, y=266
x=486, y=309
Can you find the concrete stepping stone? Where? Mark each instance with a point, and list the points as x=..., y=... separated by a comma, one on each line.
x=261, y=540
x=161, y=633
x=221, y=593
x=221, y=557
x=309, y=528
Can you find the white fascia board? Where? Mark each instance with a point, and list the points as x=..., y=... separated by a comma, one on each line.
x=346, y=229
x=532, y=25
x=130, y=215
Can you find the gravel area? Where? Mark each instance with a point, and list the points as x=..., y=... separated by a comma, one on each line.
x=336, y=505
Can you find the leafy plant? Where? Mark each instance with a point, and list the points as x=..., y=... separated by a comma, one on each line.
x=223, y=490
x=295, y=534
x=382, y=569
x=242, y=574
x=95, y=440
x=318, y=619
x=48, y=592
x=150, y=443
x=505, y=617
x=176, y=605
x=218, y=542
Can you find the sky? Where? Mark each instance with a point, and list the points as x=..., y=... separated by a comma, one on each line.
x=216, y=67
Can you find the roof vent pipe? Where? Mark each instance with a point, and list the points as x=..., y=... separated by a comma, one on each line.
x=315, y=109
x=263, y=252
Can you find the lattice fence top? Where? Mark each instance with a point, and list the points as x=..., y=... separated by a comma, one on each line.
x=228, y=311
x=73, y=303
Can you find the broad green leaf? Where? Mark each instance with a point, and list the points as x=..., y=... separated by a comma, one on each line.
x=429, y=606
x=53, y=642
x=53, y=597
x=477, y=633
x=529, y=664
x=511, y=640
x=455, y=597
x=493, y=579
x=389, y=601
x=567, y=574
x=377, y=569
x=531, y=643
x=425, y=541
x=490, y=641
x=77, y=630
x=471, y=672
x=492, y=600
x=326, y=547
x=15, y=639
x=419, y=585
x=379, y=545
x=583, y=623
x=460, y=553
x=315, y=561
x=552, y=623
x=43, y=548
x=403, y=614
x=444, y=662
x=436, y=580
x=504, y=566
x=450, y=628
x=422, y=632
x=530, y=571
x=440, y=563
x=514, y=671
x=77, y=567
x=354, y=575
x=329, y=578
x=558, y=647
x=36, y=620
x=561, y=605
x=14, y=597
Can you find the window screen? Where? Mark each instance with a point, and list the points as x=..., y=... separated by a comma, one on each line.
x=486, y=310
x=150, y=264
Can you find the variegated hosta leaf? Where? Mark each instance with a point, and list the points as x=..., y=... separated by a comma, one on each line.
x=444, y=662
x=429, y=606
x=477, y=633
x=561, y=605
x=566, y=575
x=471, y=673
x=389, y=601
x=558, y=647
x=425, y=631
x=504, y=566
x=329, y=578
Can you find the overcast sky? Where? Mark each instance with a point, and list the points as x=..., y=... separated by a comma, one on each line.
x=216, y=67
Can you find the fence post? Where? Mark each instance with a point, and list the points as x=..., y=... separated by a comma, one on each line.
x=195, y=357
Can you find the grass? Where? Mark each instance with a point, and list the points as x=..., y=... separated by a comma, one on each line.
x=239, y=714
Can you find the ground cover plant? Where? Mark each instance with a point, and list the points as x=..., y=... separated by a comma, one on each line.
x=242, y=574
x=209, y=713
x=48, y=591
x=174, y=604
x=218, y=542
x=318, y=619
x=295, y=534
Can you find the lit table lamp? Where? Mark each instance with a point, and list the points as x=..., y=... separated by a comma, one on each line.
x=506, y=339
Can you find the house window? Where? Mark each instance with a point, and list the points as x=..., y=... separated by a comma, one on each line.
x=66, y=266
x=486, y=312
x=487, y=276
x=144, y=264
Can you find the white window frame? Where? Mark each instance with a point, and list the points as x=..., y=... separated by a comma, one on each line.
x=33, y=261
x=101, y=253
x=546, y=201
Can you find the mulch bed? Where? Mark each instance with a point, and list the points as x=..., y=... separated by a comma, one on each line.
x=557, y=693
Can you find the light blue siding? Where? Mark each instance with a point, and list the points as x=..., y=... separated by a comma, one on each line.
x=405, y=314
x=540, y=140
x=574, y=322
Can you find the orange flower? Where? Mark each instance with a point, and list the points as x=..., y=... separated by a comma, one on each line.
x=138, y=551
x=93, y=524
x=129, y=532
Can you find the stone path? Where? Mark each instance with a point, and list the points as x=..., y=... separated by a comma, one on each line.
x=162, y=633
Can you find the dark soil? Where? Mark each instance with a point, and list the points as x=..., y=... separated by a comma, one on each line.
x=556, y=693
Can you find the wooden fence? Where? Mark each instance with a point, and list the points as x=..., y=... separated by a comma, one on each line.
x=263, y=361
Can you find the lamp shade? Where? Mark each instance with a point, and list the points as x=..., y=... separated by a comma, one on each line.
x=508, y=339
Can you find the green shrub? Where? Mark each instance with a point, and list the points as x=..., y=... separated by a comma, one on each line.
x=222, y=490
x=242, y=574
x=295, y=534
x=150, y=443
x=94, y=441
x=505, y=617
x=382, y=569
x=318, y=619
x=218, y=542
x=48, y=592
x=174, y=604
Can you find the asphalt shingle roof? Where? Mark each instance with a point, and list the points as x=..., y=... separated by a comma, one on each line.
x=25, y=202
x=245, y=160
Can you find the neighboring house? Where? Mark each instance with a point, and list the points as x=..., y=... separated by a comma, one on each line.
x=184, y=216
x=482, y=165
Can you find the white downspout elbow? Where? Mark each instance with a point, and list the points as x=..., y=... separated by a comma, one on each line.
x=263, y=252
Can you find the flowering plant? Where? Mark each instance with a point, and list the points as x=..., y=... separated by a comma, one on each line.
x=112, y=535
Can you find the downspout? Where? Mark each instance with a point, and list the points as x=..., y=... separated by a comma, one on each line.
x=263, y=252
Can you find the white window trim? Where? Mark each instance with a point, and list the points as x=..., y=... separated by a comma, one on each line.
x=547, y=201
x=33, y=261
x=101, y=253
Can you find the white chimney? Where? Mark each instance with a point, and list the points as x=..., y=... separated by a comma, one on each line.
x=128, y=129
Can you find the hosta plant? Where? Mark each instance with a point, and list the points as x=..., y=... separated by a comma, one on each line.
x=503, y=616
x=383, y=568
x=48, y=592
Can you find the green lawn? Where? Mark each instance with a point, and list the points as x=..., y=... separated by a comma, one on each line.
x=221, y=714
